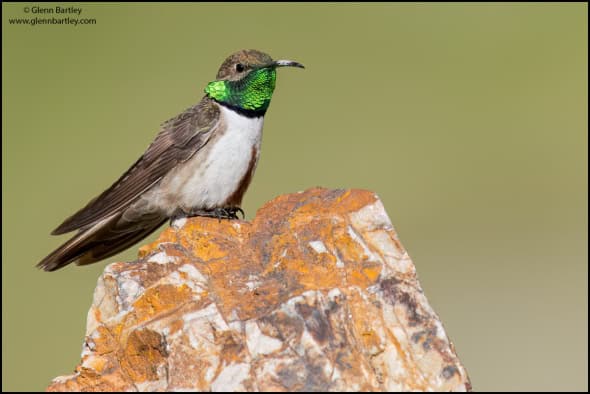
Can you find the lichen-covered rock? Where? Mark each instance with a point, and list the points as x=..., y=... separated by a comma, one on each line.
x=316, y=294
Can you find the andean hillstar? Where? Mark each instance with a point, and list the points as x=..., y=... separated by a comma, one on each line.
x=200, y=164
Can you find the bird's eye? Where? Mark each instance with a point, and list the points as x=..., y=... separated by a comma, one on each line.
x=239, y=67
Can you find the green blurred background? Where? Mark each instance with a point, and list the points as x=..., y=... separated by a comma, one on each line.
x=469, y=121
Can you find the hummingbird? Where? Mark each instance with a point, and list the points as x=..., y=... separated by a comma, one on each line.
x=200, y=164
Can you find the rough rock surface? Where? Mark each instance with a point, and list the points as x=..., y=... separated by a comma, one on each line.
x=317, y=293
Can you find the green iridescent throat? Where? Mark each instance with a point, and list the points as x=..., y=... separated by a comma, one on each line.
x=253, y=92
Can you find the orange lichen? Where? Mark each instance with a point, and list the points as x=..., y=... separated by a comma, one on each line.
x=159, y=299
x=143, y=352
x=105, y=342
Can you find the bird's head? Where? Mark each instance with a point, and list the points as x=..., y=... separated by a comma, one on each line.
x=246, y=80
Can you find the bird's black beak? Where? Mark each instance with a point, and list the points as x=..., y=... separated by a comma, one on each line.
x=287, y=63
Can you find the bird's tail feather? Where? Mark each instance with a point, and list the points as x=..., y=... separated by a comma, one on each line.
x=104, y=239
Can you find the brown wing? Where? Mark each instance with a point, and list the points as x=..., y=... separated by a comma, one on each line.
x=101, y=240
x=178, y=140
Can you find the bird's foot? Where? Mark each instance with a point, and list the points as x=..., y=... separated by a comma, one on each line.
x=228, y=213
x=219, y=213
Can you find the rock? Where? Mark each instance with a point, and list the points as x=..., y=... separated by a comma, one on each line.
x=316, y=294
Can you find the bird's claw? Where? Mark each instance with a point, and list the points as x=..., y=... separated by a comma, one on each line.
x=234, y=212
x=229, y=213
x=219, y=213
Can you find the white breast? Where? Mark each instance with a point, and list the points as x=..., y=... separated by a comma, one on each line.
x=214, y=173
